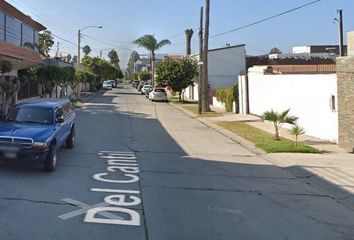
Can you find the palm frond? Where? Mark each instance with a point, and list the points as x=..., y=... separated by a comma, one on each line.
x=163, y=43
x=270, y=116
x=297, y=130
x=290, y=119
x=147, y=41
x=284, y=114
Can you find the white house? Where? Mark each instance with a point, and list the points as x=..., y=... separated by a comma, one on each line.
x=224, y=66
x=310, y=91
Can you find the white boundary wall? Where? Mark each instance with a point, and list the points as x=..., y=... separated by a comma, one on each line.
x=307, y=95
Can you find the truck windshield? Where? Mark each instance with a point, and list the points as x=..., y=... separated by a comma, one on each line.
x=30, y=115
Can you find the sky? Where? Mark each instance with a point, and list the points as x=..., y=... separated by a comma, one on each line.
x=124, y=21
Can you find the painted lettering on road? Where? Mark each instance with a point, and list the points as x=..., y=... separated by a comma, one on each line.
x=117, y=206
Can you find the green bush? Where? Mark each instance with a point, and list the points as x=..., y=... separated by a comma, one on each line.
x=227, y=96
x=229, y=99
x=220, y=94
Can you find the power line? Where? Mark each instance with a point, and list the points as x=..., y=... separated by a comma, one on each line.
x=41, y=16
x=109, y=44
x=63, y=39
x=266, y=19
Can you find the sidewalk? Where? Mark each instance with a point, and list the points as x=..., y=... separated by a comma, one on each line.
x=332, y=171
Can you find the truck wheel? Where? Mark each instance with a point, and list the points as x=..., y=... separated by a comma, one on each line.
x=70, y=142
x=51, y=162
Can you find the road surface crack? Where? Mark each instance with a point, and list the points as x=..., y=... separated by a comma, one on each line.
x=35, y=201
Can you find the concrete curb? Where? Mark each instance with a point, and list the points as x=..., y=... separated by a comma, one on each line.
x=232, y=136
x=91, y=97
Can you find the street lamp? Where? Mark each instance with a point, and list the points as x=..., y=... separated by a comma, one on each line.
x=79, y=41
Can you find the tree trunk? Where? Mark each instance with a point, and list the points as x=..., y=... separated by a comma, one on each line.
x=4, y=103
x=296, y=138
x=180, y=96
x=153, y=68
x=276, y=134
x=189, y=35
x=205, y=85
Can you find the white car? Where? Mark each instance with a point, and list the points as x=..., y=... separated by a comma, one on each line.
x=158, y=94
x=146, y=89
x=114, y=84
x=107, y=85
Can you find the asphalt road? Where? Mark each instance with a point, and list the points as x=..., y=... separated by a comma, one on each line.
x=143, y=170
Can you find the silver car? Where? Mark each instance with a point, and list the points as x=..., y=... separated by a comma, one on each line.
x=146, y=89
x=158, y=94
x=107, y=85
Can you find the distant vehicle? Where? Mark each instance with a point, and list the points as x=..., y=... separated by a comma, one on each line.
x=146, y=89
x=135, y=83
x=140, y=86
x=158, y=94
x=35, y=130
x=114, y=84
x=107, y=85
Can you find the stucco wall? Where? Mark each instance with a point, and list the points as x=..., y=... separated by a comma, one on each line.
x=307, y=95
x=225, y=65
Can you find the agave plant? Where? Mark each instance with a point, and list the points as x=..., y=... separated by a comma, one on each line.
x=297, y=130
x=278, y=120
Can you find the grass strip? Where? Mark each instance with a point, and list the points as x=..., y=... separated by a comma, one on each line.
x=264, y=140
x=194, y=109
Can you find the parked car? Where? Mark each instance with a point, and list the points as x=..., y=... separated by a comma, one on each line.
x=140, y=86
x=107, y=85
x=34, y=131
x=146, y=89
x=114, y=84
x=158, y=94
x=135, y=83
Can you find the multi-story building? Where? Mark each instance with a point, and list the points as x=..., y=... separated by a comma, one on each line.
x=144, y=64
x=19, y=41
x=19, y=37
x=318, y=49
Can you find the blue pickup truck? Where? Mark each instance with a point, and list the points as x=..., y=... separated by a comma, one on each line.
x=35, y=130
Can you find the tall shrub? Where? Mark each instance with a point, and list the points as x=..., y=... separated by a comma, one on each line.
x=227, y=96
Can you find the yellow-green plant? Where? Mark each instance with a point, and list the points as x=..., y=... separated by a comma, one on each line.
x=278, y=120
x=297, y=130
x=227, y=96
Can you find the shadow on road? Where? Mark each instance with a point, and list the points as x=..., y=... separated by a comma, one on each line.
x=215, y=197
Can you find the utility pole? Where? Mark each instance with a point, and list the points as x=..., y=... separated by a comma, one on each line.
x=200, y=62
x=57, y=53
x=100, y=53
x=340, y=25
x=78, y=49
x=205, y=86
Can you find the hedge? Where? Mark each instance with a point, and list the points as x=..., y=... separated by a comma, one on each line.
x=227, y=96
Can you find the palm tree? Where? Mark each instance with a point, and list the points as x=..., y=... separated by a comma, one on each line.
x=189, y=35
x=297, y=130
x=275, y=50
x=278, y=120
x=150, y=43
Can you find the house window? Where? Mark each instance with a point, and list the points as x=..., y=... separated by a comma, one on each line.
x=27, y=37
x=333, y=103
x=13, y=31
x=36, y=41
x=2, y=26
